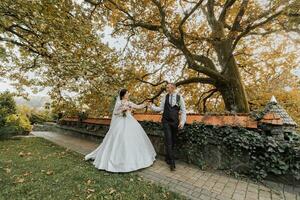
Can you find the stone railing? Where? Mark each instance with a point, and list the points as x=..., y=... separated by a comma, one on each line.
x=240, y=119
x=243, y=120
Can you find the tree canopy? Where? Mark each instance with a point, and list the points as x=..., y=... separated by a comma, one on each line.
x=54, y=44
x=224, y=54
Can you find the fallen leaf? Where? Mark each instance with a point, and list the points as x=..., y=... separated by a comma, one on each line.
x=19, y=180
x=90, y=190
x=7, y=170
x=49, y=172
x=89, y=182
x=112, y=190
x=21, y=154
x=89, y=196
x=27, y=174
x=131, y=179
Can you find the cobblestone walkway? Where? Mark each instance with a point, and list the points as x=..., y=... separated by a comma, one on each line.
x=187, y=179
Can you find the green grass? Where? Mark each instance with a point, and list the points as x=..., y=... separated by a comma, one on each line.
x=33, y=168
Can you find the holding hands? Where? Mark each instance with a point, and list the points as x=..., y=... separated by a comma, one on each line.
x=148, y=103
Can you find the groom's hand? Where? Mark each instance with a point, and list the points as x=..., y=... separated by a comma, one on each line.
x=180, y=126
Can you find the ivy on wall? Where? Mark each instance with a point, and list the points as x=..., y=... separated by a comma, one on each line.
x=267, y=155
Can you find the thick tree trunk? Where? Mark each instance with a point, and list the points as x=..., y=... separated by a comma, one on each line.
x=233, y=93
x=234, y=96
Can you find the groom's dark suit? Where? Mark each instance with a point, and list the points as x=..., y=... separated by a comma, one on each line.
x=170, y=121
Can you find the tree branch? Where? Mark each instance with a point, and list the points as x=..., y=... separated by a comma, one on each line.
x=250, y=28
x=211, y=92
x=237, y=21
x=184, y=82
x=148, y=26
x=211, y=18
x=152, y=84
x=202, y=80
x=227, y=6
x=163, y=24
x=205, y=61
x=31, y=49
x=195, y=7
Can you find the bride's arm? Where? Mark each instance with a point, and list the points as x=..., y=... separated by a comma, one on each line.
x=135, y=106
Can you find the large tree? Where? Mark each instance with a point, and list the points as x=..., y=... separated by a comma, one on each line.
x=203, y=35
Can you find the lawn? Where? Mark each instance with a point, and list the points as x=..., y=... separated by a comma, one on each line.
x=33, y=168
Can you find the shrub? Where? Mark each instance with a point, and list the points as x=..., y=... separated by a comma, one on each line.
x=40, y=117
x=18, y=124
x=7, y=106
x=10, y=122
x=36, y=116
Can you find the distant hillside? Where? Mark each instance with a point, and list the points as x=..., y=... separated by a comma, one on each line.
x=34, y=102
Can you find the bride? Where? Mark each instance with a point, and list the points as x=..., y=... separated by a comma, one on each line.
x=126, y=147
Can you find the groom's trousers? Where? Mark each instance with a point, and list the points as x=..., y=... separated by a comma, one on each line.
x=170, y=139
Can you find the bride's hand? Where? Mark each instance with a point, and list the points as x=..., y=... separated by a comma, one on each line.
x=129, y=109
x=148, y=103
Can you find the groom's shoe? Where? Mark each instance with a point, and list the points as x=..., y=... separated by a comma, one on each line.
x=168, y=161
x=172, y=167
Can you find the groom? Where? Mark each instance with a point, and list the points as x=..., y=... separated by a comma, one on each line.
x=171, y=104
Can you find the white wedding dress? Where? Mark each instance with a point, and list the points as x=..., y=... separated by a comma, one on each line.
x=126, y=146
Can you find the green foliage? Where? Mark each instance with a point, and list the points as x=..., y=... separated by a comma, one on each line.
x=7, y=106
x=18, y=124
x=82, y=116
x=37, y=116
x=40, y=117
x=267, y=154
x=11, y=122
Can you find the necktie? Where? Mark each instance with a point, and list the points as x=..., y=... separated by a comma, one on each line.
x=171, y=100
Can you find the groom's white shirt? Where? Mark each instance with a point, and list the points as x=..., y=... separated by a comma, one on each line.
x=181, y=102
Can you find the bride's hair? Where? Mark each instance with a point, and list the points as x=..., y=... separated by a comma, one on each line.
x=122, y=93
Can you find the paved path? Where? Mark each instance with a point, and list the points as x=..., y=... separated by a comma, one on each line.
x=188, y=180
